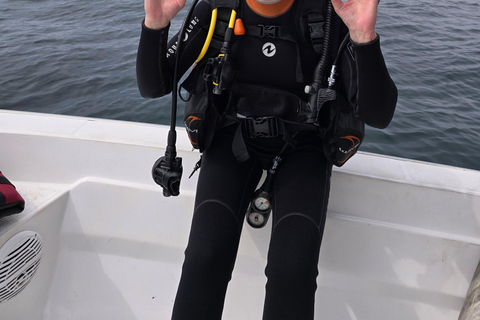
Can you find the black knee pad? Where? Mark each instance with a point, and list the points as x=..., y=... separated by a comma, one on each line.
x=294, y=251
x=213, y=242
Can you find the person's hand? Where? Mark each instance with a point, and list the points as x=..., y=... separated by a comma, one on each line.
x=158, y=13
x=360, y=17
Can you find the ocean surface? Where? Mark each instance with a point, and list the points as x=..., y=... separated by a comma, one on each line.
x=78, y=58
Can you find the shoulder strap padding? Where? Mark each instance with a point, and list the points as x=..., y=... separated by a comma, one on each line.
x=230, y=4
x=310, y=20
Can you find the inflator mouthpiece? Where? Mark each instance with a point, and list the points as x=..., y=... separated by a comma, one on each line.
x=167, y=172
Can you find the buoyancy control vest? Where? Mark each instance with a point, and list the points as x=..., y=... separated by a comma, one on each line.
x=216, y=99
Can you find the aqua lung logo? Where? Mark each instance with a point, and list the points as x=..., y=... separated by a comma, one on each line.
x=347, y=146
x=189, y=29
x=269, y=49
x=355, y=142
x=191, y=124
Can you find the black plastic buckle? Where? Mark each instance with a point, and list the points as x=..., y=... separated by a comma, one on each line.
x=268, y=31
x=262, y=127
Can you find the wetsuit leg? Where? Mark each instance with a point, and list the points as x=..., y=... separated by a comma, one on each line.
x=300, y=196
x=224, y=190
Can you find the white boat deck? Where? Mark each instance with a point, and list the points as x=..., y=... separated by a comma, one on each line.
x=402, y=238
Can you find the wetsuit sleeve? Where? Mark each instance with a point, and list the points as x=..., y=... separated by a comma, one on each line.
x=154, y=77
x=371, y=92
x=156, y=57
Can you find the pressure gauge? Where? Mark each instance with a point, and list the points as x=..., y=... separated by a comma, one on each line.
x=261, y=203
x=259, y=209
x=256, y=219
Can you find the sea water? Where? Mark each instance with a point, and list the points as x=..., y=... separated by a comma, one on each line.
x=78, y=58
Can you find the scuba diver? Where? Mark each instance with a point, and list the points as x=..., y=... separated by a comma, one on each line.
x=257, y=79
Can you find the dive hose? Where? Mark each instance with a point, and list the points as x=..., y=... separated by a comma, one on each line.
x=167, y=170
x=211, y=29
x=321, y=91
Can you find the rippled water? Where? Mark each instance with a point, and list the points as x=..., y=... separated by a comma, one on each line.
x=433, y=52
x=78, y=58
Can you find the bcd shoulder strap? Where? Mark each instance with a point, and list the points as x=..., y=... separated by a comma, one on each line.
x=310, y=22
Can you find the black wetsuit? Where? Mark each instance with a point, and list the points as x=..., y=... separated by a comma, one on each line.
x=225, y=186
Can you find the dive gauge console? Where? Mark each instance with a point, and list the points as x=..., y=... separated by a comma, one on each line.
x=259, y=210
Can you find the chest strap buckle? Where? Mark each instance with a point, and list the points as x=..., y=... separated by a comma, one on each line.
x=269, y=31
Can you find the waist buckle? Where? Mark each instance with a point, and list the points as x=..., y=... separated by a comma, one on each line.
x=261, y=127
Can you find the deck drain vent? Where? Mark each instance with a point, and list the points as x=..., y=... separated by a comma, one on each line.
x=19, y=260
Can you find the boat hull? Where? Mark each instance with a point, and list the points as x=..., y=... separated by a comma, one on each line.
x=402, y=237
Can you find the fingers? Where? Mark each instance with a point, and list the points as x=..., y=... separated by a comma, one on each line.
x=158, y=13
